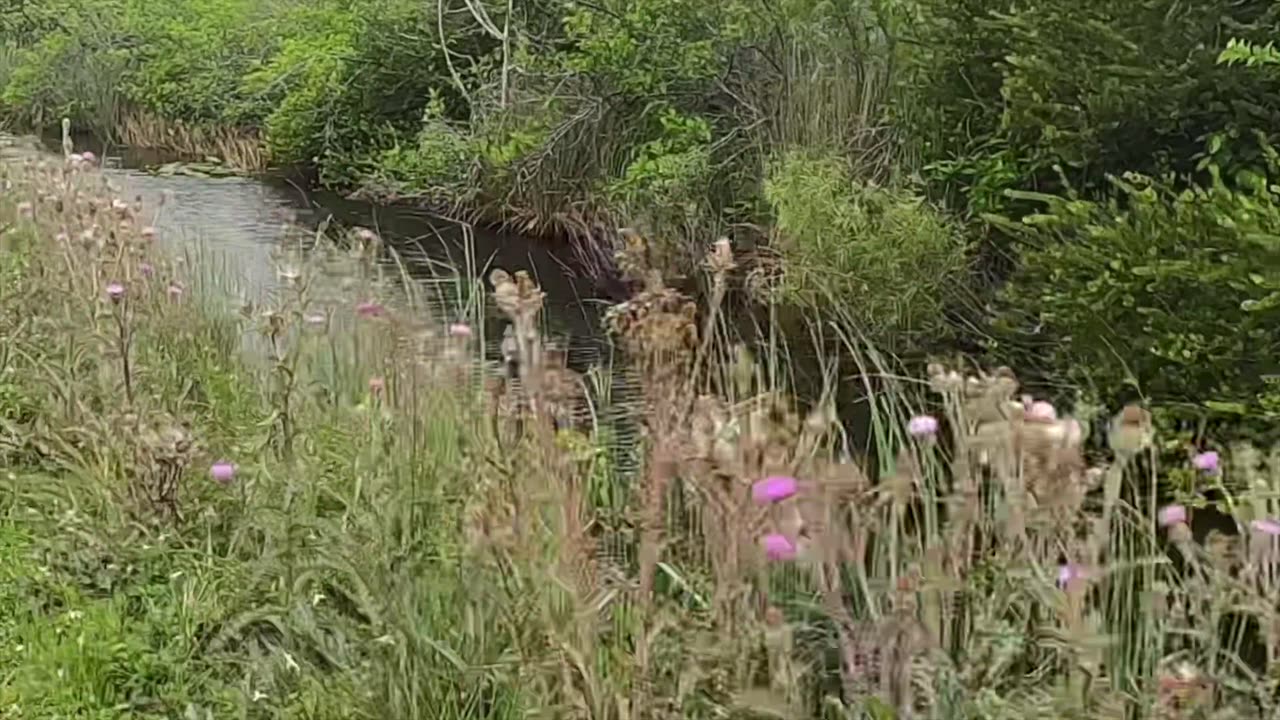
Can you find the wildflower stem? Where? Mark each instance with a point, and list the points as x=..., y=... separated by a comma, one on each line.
x=124, y=338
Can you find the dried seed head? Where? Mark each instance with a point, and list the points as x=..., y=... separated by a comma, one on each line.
x=1131, y=430
x=720, y=259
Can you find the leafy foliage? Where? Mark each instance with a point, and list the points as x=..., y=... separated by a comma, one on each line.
x=1171, y=295
x=1012, y=91
x=886, y=249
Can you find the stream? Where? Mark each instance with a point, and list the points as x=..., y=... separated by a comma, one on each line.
x=242, y=221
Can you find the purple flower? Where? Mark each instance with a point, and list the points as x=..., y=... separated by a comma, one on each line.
x=923, y=426
x=1206, y=462
x=146, y=269
x=774, y=488
x=370, y=309
x=460, y=330
x=1172, y=515
x=222, y=472
x=1069, y=573
x=89, y=157
x=1041, y=411
x=778, y=547
x=115, y=291
x=1266, y=526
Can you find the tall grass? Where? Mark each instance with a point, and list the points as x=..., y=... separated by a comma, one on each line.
x=239, y=149
x=356, y=516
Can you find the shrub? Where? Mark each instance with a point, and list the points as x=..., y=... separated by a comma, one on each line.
x=1173, y=295
x=1009, y=94
x=437, y=167
x=188, y=58
x=882, y=252
x=66, y=76
x=668, y=182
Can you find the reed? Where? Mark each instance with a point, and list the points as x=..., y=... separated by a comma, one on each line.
x=238, y=148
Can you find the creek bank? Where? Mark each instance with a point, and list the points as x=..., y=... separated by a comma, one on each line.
x=583, y=245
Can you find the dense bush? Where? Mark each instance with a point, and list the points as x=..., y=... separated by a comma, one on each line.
x=187, y=58
x=1130, y=291
x=1171, y=295
x=1010, y=92
x=885, y=251
x=79, y=73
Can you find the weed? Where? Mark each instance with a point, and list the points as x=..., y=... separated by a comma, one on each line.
x=354, y=516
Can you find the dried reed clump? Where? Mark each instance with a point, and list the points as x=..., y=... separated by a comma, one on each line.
x=237, y=148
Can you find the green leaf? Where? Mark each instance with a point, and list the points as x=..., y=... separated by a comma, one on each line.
x=1231, y=408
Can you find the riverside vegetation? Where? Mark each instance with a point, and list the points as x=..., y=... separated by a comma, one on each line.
x=1023, y=180
x=330, y=506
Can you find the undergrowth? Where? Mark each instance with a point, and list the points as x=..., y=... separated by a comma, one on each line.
x=329, y=505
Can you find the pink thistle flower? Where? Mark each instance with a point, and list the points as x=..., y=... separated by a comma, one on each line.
x=774, y=488
x=1266, y=526
x=1172, y=515
x=370, y=309
x=89, y=157
x=923, y=426
x=146, y=269
x=115, y=291
x=1206, y=462
x=1041, y=412
x=1070, y=573
x=777, y=547
x=462, y=330
x=377, y=384
x=222, y=472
